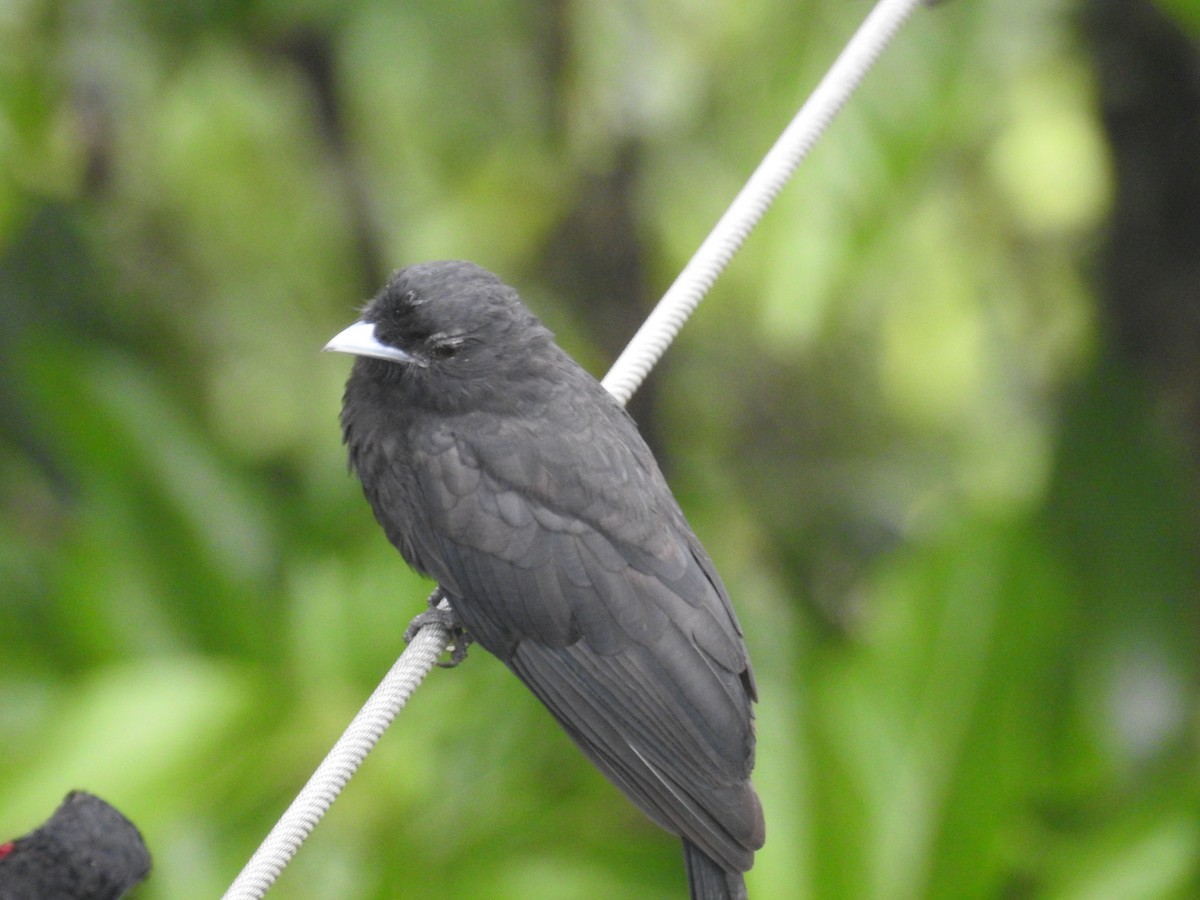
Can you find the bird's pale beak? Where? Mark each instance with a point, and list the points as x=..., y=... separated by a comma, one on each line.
x=360, y=340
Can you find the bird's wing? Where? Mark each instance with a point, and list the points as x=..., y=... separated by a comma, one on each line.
x=567, y=557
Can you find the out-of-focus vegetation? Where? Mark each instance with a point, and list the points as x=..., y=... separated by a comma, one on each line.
x=937, y=425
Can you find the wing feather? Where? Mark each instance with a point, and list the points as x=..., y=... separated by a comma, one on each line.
x=618, y=624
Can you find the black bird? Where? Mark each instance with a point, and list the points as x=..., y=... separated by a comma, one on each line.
x=85, y=851
x=500, y=468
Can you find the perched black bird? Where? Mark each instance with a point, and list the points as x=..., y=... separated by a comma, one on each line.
x=500, y=468
x=85, y=851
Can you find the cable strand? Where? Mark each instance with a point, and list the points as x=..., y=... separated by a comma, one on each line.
x=751, y=203
x=342, y=761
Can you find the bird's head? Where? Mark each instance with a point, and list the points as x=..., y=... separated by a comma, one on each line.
x=441, y=328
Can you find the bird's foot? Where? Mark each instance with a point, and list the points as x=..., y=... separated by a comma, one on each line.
x=440, y=613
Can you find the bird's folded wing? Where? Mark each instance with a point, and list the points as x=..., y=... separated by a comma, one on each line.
x=622, y=630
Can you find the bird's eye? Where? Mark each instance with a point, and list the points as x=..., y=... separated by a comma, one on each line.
x=445, y=347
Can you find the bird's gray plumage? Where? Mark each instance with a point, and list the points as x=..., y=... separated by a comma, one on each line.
x=500, y=468
x=87, y=850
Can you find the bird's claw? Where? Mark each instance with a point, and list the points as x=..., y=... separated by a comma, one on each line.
x=445, y=617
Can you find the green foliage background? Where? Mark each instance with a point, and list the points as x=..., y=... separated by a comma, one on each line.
x=960, y=529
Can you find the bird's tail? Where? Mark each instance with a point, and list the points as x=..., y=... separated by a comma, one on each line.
x=706, y=878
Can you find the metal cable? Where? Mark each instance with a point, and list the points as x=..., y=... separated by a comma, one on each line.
x=360, y=736
x=748, y=207
x=625, y=376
